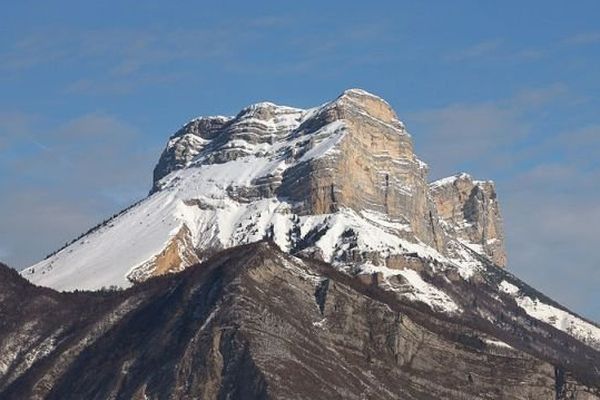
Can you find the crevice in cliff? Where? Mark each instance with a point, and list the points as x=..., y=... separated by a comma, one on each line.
x=241, y=377
x=310, y=238
x=560, y=383
x=321, y=294
x=333, y=206
x=386, y=194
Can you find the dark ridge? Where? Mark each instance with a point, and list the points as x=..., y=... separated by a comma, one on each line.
x=168, y=331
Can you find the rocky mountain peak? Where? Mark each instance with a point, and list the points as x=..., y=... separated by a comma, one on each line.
x=340, y=182
x=262, y=122
x=268, y=111
x=370, y=104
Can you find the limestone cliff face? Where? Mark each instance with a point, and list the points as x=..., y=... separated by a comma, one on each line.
x=179, y=252
x=470, y=212
x=373, y=167
x=370, y=163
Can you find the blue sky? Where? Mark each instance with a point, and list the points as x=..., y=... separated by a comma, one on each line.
x=507, y=90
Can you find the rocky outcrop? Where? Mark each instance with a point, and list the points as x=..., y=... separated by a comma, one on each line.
x=179, y=252
x=470, y=212
x=186, y=144
x=221, y=139
x=255, y=323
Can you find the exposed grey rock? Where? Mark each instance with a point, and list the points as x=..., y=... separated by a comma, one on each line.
x=186, y=143
x=223, y=139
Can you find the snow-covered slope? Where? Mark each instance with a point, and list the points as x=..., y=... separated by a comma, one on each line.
x=554, y=316
x=339, y=182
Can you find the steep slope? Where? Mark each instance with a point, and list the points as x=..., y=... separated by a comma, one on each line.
x=255, y=323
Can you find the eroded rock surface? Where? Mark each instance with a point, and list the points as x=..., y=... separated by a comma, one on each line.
x=372, y=167
x=470, y=212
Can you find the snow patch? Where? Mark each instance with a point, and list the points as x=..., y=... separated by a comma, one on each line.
x=562, y=320
x=449, y=180
x=320, y=324
x=418, y=290
x=508, y=287
x=334, y=132
x=498, y=343
x=428, y=293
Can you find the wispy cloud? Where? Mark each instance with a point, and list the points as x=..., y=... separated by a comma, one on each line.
x=120, y=61
x=125, y=51
x=457, y=133
x=112, y=60
x=123, y=84
x=322, y=52
x=14, y=126
x=464, y=134
x=500, y=50
x=552, y=219
x=477, y=50
x=583, y=38
x=495, y=50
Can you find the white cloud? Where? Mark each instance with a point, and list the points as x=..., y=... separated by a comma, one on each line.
x=552, y=220
x=497, y=50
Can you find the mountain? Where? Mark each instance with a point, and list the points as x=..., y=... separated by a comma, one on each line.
x=339, y=181
x=417, y=268
x=253, y=322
